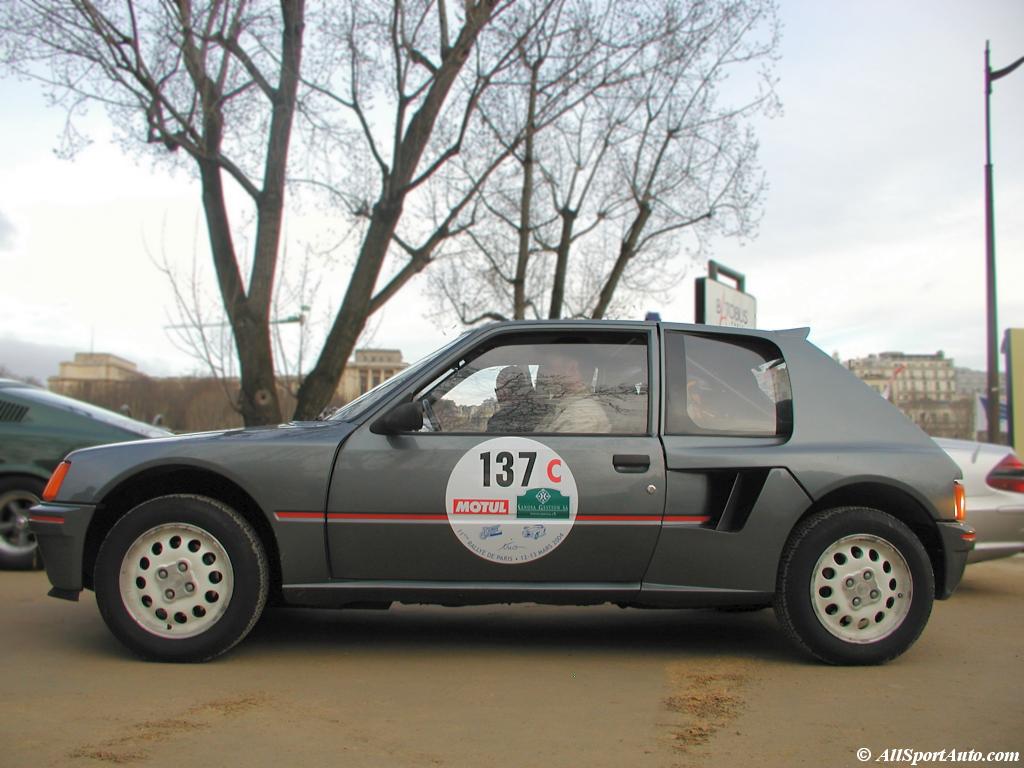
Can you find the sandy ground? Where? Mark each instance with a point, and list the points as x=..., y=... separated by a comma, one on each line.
x=517, y=686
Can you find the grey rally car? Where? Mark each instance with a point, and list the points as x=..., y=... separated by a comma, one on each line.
x=667, y=465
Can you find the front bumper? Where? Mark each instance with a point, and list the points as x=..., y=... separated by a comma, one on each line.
x=60, y=530
x=957, y=543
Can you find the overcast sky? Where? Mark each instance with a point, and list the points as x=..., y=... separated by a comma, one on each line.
x=873, y=233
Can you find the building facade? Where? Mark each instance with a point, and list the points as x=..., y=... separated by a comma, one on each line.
x=193, y=403
x=93, y=366
x=902, y=377
x=369, y=368
x=923, y=386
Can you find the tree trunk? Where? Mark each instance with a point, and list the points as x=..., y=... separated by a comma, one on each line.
x=249, y=314
x=257, y=399
x=319, y=386
x=525, y=202
x=562, y=262
x=249, y=323
x=270, y=204
x=627, y=250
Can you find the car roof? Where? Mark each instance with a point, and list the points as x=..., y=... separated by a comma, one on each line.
x=586, y=323
x=14, y=384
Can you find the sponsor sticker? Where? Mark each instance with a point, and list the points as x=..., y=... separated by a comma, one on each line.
x=511, y=500
x=480, y=506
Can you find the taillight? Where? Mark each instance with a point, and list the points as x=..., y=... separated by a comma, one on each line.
x=1007, y=475
x=53, y=487
x=959, y=501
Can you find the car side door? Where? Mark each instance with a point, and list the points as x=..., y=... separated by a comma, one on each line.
x=563, y=486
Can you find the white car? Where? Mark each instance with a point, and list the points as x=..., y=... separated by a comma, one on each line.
x=994, y=481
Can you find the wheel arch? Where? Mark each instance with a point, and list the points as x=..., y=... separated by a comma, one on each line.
x=170, y=479
x=23, y=475
x=897, y=502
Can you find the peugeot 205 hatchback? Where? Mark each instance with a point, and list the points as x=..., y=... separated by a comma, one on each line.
x=643, y=464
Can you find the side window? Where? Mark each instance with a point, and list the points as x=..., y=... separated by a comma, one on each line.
x=726, y=386
x=545, y=383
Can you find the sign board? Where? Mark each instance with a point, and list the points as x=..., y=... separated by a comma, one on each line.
x=719, y=304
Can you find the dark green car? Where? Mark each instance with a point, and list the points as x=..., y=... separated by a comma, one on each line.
x=38, y=428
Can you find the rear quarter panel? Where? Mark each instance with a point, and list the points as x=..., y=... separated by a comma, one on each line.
x=844, y=434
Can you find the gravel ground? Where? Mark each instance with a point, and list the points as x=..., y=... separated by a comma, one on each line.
x=508, y=685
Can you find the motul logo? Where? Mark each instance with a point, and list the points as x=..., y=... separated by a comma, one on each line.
x=480, y=506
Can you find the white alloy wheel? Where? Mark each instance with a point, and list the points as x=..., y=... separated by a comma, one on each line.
x=176, y=580
x=855, y=586
x=181, y=577
x=862, y=589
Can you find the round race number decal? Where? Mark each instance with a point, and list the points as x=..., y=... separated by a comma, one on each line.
x=511, y=500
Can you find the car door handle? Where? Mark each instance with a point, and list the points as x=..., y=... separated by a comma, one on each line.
x=631, y=462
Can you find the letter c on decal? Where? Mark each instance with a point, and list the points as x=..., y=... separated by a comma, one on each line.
x=552, y=466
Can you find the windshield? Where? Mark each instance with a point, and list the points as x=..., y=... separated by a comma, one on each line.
x=365, y=402
x=102, y=415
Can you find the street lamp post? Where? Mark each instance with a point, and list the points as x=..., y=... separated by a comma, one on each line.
x=992, y=411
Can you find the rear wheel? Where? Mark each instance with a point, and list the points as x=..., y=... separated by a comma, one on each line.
x=855, y=586
x=181, y=578
x=18, y=547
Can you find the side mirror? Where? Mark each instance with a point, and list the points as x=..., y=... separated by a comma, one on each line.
x=407, y=417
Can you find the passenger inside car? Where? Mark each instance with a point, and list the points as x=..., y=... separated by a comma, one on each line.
x=519, y=409
x=574, y=407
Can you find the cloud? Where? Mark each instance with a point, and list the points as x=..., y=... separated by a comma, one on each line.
x=6, y=233
x=25, y=358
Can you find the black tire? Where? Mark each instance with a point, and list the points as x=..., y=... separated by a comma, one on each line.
x=833, y=565
x=153, y=554
x=18, y=548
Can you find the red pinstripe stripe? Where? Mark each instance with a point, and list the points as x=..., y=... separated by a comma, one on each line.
x=581, y=518
x=618, y=518
x=381, y=516
x=46, y=519
x=399, y=516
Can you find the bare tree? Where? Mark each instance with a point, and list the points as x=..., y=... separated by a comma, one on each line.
x=581, y=50
x=402, y=106
x=214, y=81
x=387, y=92
x=630, y=176
x=197, y=326
x=690, y=164
x=434, y=74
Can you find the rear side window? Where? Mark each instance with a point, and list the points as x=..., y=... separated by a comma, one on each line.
x=726, y=386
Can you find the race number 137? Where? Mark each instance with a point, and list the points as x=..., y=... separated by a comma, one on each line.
x=502, y=467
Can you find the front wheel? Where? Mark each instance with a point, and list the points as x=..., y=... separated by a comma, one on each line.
x=855, y=586
x=181, y=578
